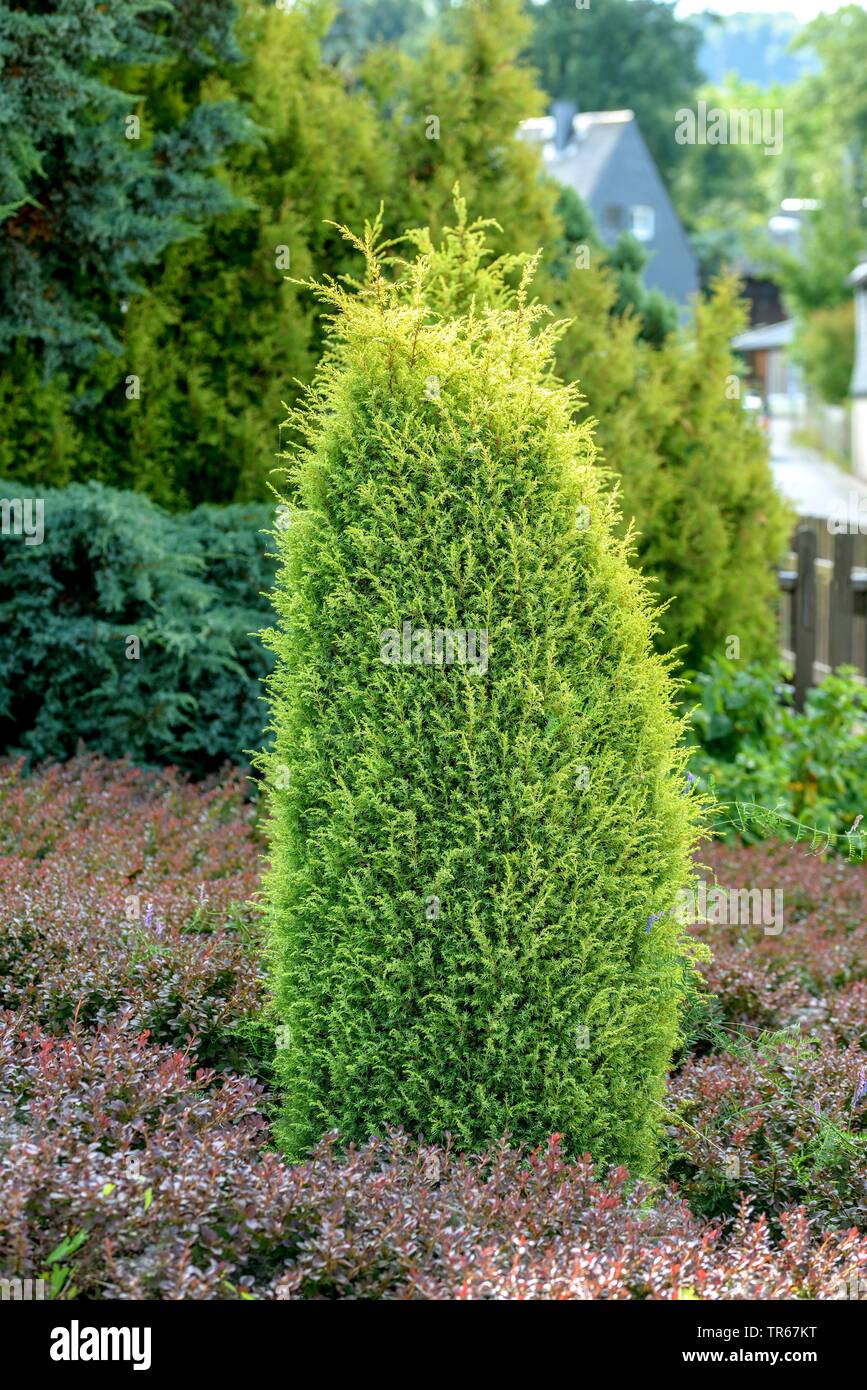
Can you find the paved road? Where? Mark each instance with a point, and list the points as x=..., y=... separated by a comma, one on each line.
x=814, y=485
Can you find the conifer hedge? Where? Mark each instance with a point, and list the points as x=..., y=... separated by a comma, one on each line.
x=474, y=850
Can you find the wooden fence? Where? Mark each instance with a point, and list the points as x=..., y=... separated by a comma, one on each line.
x=823, y=617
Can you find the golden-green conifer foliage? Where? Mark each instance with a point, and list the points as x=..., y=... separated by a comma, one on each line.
x=465, y=860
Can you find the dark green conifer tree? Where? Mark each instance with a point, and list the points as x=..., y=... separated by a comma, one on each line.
x=94, y=183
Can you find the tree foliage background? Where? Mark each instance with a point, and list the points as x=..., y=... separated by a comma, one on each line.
x=155, y=327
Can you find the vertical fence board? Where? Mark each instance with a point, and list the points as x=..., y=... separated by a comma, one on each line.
x=805, y=607
x=842, y=607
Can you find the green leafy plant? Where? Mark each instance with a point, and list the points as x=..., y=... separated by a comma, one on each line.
x=778, y=771
x=58, y=1276
x=825, y=348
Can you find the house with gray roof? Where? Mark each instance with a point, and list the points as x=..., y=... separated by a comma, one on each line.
x=770, y=369
x=603, y=157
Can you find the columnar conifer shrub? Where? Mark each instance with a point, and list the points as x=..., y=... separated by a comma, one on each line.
x=692, y=467
x=474, y=847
